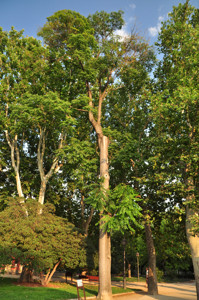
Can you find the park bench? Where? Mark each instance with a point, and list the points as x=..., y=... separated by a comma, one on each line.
x=93, y=278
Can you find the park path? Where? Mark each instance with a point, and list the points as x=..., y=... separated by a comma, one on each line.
x=167, y=291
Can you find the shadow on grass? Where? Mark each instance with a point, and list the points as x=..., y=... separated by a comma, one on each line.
x=10, y=290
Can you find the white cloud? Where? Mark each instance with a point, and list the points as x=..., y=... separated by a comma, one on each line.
x=132, y=6
x=153, y=31
x=122, y=33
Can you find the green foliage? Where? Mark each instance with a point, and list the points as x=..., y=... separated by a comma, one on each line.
x=171, y=244
x=123, y=209
x=160, y=275
x=175, y=106
x=39, y=240
x=195, y=223
x=105, y=24
x=119, y=206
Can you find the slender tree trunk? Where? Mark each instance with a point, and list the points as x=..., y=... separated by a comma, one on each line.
x=50, y=274
x=129, y=270
x=105, y=291
x=85, y=222
x=152, y=279
x=19, y=187
x=194, y=246
x=15, y=159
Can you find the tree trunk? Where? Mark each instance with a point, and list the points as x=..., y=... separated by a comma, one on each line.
x=105, y=291
x=194, y=245
x=42, y=191
x=26, y=275
x=88, y=221
x=19, y=187
x=15, y=159
x=129, y=270
x=50, y=274
x=152, y=277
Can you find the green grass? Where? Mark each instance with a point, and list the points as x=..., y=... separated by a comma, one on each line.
x=9, y=290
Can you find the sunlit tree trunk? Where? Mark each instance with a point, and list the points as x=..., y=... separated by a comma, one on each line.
x=105, y=292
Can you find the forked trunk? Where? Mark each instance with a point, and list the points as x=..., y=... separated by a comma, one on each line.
x=105, y=291
x=194, y=246
x=49, y=275
x=152, y=277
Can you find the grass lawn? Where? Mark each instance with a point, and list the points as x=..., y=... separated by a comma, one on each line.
x=10, y=290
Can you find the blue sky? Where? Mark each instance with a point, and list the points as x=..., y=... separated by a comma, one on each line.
x=144, y=15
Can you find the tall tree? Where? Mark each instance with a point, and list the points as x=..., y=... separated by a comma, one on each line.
x=130, y=156
x=175, y=113
x=21, y=61
x=31, y=115
x=100, y=61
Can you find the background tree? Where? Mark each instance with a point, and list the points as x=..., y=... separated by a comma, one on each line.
x=36, y=122
x=175, y=114
x=39, y=241
x=172, y=248
x=22, y=61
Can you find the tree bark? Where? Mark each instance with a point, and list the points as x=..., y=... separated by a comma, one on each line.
x=152, y=279
x=129, y=270
x=42, y=191
x=194, y=246
x=26, y=275
x=105, y=291
x=85, y=222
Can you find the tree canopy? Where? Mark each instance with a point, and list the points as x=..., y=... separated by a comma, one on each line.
x=39, y=241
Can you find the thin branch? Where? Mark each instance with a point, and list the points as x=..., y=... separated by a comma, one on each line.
x=80, y=109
